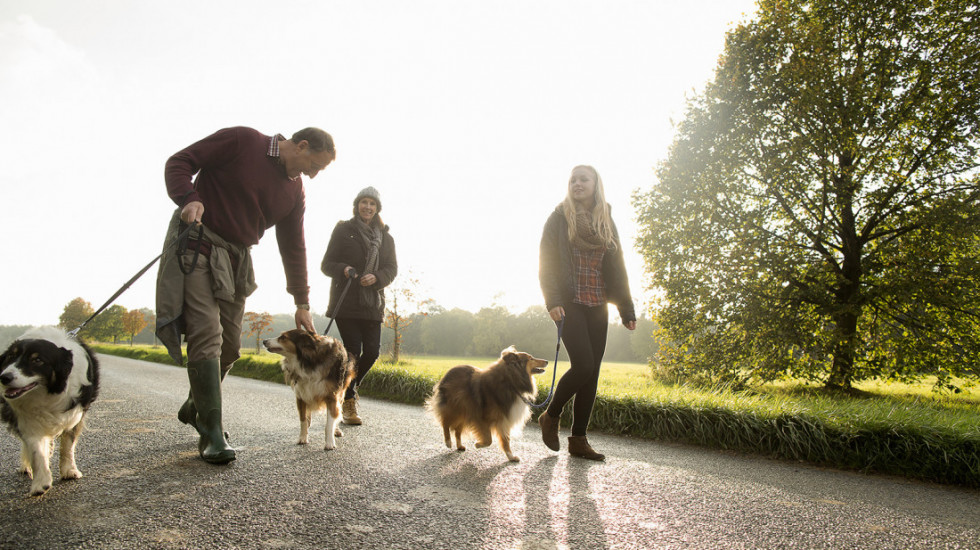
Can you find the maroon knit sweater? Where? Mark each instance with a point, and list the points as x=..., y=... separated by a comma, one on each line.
x=244, y=192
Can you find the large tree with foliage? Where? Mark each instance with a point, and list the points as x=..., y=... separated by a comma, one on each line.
x=107, y=326
x=817, y=213
x=133, y=323
x=75, y=313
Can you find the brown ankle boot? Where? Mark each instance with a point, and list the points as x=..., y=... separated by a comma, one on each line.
x=350, y=412
x=578, y=445
x=549, y=431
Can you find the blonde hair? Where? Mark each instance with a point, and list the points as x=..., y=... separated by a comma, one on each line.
x=602, y=222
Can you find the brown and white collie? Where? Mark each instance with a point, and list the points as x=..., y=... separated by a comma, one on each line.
x=319, y=369
x=487, y=401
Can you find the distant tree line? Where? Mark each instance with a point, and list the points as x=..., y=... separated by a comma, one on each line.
x=114, y=324
x=9, y=333
x=460, y=333
x=436, y=331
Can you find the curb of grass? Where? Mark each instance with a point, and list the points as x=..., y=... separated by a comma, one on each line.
x=938, y=457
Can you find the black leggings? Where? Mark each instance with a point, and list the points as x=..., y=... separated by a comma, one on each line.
x=362, y=338
x=584, y=336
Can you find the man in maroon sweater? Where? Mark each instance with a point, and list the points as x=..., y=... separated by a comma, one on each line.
x=246, y=183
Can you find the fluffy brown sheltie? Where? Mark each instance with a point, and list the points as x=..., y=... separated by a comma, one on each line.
x=319, y=369
x=487, y=401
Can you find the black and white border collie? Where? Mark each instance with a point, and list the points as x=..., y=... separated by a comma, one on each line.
x=48, y=380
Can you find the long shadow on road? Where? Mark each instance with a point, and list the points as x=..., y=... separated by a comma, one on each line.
x=393, y=484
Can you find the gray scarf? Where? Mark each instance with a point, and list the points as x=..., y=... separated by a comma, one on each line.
x=586, y=237
x=371, y=237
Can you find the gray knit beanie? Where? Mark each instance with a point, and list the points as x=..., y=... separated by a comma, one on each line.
x=369, y=192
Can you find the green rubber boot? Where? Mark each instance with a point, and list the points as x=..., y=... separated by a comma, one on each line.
x=205, y=379
x=188, y=412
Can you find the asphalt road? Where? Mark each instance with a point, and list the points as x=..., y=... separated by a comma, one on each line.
x=392, y=484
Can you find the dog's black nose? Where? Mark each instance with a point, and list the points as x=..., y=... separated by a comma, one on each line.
x=6, y=378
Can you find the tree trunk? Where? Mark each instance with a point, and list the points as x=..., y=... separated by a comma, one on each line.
x=842, y=368
x=396, y=342
x=847, y=307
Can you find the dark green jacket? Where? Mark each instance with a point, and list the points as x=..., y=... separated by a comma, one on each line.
x=557, y=276
x=346, y=248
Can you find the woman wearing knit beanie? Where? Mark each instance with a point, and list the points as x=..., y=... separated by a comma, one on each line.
x=360, y=247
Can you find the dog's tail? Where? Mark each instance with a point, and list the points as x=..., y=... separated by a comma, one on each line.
x=436, y=401
x=348, y=371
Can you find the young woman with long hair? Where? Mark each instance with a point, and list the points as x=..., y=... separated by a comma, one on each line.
x=581, y=271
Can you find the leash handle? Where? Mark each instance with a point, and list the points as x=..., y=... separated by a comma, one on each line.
x=554, y=372
x=353, y=275
x=186, y=232
x=182, y=247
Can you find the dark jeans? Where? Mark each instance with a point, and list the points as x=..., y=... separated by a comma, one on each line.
x=584, y=337
x=363, y=339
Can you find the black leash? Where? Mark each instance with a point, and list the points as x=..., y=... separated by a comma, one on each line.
x=182, y=240
x=129, y=283
x=336, y=310
x=554, y=372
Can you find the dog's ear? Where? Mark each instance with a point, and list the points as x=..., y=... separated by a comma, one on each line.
x=305, y=346
x=60, y=371
x=10, y=354
x=511, y=357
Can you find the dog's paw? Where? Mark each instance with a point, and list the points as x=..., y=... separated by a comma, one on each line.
x=38, y=489
x=71, y=474
x=337, y=432
x=460, y=448
x=301, y=442
x=482, y=444
x=24, y=470
x=513, y=458
x=329, y=447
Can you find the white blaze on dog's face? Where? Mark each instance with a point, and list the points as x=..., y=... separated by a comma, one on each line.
x=298, y=344
x=274, y=345
x=292, y=342
x=28, y=364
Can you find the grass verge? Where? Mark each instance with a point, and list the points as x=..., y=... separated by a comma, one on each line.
x=909, y=435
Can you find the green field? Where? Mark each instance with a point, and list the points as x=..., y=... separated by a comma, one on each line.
x=893, y=403
x=890, y=428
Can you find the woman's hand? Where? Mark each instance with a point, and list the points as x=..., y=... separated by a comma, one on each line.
x=368, y=280
x=557, y=313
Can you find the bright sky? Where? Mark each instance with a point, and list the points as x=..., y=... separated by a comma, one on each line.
x=467, y=116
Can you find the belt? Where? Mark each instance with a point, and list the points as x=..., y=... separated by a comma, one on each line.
x=203, y=247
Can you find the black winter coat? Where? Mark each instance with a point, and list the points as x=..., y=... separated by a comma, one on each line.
x=557, y=276
x=346, y=248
